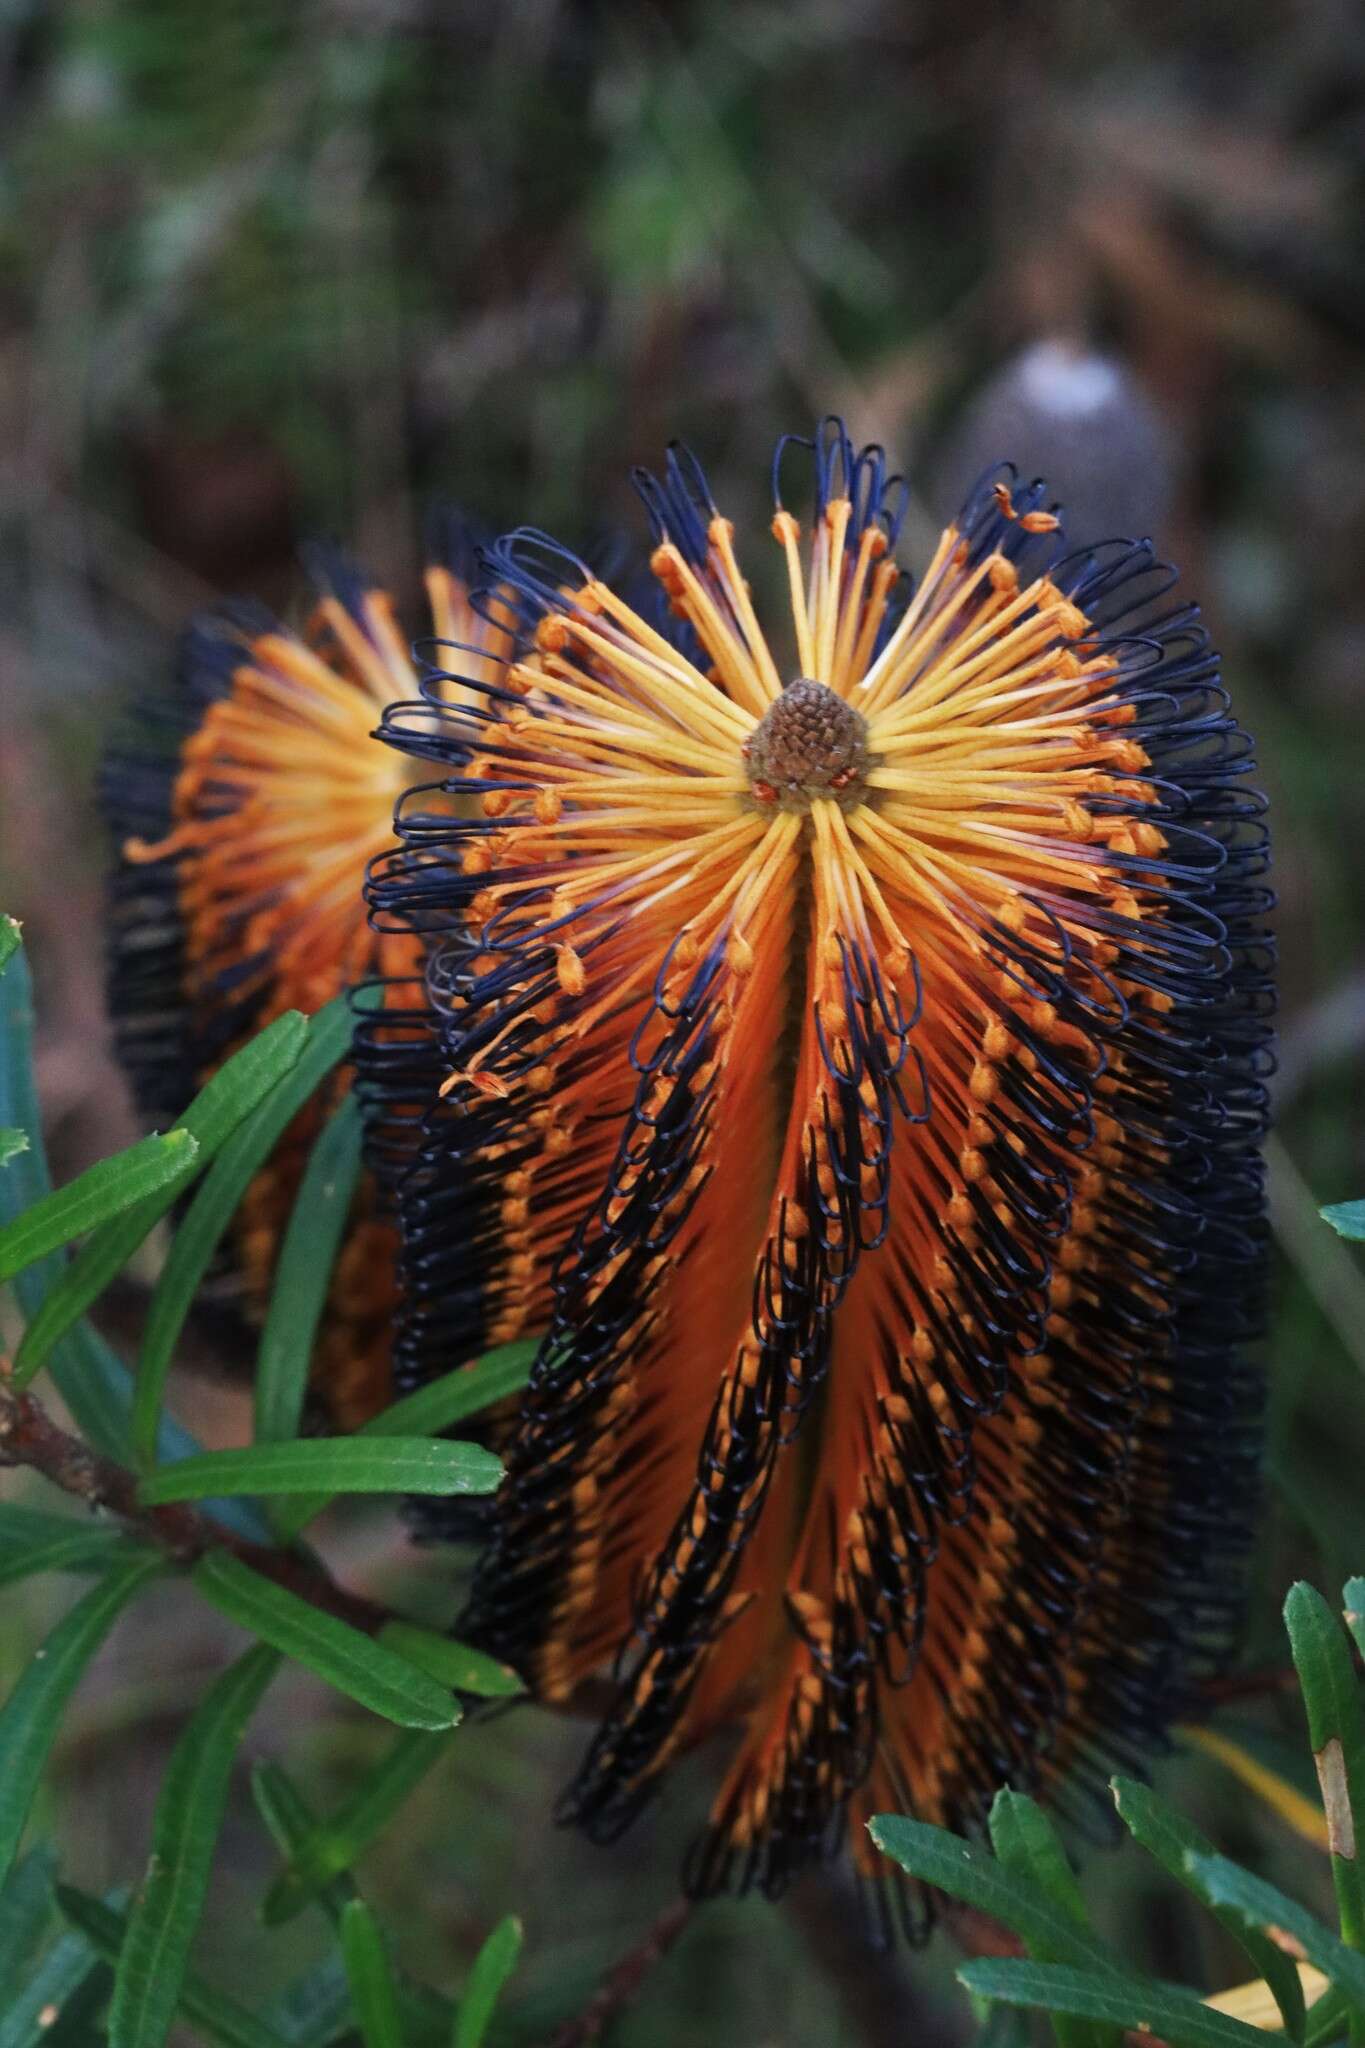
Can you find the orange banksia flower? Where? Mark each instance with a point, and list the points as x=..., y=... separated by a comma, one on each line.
x=853, y=1015
x=245, y=808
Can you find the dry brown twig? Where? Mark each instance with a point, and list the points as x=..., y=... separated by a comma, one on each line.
x=29, y=1437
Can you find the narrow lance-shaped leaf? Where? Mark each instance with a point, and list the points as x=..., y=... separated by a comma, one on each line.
x=12, y=1143
x=968, y=1873
x=1262, y=1905
x=1353, y=1611
x=216, y=1201
x=25, y=1909
x=1336, y=1730
x=102, y=1191
x=303, y=1274
x=66, y=1990
x=31, y=1541
x=317, y=2009
x=369, y=1973
x=291, y=1822
x=356, y=1665
x=31, y=1716
x=216, y=2017
x=342, y=1464
x=1346, y=1218
x=314, y=2011
x=92, y=1381
x=1327, y=2019
x=333, y=1846
x=1027, y=1846
x=493, y=1965
x=215, y=1112
x=9, y=939
x=1176, y=2016
x=458, y=1665
x=456, y=1395
x=1170, y=1838
x=189, y=1814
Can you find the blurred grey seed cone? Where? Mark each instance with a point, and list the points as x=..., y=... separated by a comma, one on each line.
x=1081, y=420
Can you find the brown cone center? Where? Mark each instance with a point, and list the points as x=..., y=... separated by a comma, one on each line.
x=810, y=743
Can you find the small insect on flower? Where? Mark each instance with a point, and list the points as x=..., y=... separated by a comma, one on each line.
x=855, y=1017
x=244, y=810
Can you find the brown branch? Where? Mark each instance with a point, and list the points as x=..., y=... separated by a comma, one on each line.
x=622, y=1983
x=29, y=1436
x=1263, y=1683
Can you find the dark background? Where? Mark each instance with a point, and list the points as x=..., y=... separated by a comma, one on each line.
x=270, y=270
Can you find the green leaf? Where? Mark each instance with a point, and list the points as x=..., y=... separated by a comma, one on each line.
x=210, y=1119
x=11, y=937
x=369, y=1973
x=1328, y=2018
x=1027, y=1846
x=1171, y=1839
x=968, y=1873
x=189, y=1814
x=303, y=1275
x=1261, y=1905
x=1336, y=1730
x=1346, y=1218
x=291, y=1822
x=315, y=2010
x=34, y=1542
x=458, y=1665
x=323, y=1041
x=466, y=1391
x=218, y=2018
x=493, y=1965
x=454, y=1397
x=1353, y=1611
x=364, y=1670
x=1175, y=2015
x=351, y=1464
x=68, y=1982
x=92, y=1381
x=31, y=1716
x=102, y=1191
x=331, y=1848
x=12, y=1143
x=25, y=1910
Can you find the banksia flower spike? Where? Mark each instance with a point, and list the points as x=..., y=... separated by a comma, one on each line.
x=852, y=1013
x=244, y=809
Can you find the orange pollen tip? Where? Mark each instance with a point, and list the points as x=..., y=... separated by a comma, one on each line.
x=1040, y=522
x=720, y=530
x=785, y=528
x=549, y=806
x=1004, y=577
x=739, y=953
x=569, y=969
x=552, y=634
